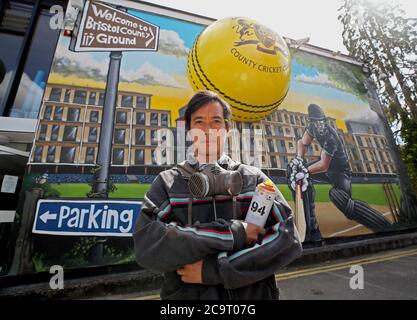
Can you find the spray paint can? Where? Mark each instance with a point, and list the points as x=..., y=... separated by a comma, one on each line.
x=261, y=203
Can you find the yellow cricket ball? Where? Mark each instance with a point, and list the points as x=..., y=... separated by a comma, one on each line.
x=246, y=63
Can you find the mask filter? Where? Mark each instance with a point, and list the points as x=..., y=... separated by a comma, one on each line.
x=214, y=180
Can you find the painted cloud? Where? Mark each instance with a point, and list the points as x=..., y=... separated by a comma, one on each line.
x=320, y=79
x=84, y=65
x=170, y=43
x=148, y=74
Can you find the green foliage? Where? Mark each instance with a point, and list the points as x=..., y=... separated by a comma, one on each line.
x=28, y=181
x=39, y=262
x=127, y=258
x=111, y=187
x=113, y=256
x=82, y=248
x=80, y=254
x=409, y=149
x=385, y=40
x=50, y=191
x=343, y=76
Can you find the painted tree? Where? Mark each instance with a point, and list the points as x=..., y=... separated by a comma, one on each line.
x=380, y=36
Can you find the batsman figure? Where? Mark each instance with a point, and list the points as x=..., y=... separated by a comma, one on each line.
x=334, y=163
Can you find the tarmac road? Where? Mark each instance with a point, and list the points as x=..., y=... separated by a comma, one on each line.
x=389, y=275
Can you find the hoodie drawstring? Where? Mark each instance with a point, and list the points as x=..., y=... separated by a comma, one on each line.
x=190, y=211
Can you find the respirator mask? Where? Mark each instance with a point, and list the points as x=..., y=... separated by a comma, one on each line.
x=214, y=180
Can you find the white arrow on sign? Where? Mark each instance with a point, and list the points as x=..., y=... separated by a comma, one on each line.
x=46, y=216
x=150, y=40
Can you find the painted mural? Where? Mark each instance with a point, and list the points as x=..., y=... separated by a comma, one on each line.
x=153, y=90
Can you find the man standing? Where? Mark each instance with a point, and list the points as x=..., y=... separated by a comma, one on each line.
x=334, y=163
x=202, y=244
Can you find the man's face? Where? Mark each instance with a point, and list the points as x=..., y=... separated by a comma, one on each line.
x=320, y=125
x=208, y=129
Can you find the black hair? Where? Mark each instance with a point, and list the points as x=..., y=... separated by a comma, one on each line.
x=199, y=100
x=315, y=112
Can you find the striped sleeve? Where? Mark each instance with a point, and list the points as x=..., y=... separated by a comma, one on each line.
x=167, y=246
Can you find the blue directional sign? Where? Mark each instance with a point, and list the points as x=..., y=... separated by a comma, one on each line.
x=86, y=217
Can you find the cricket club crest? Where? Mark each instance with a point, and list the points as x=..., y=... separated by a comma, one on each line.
x=266, y=40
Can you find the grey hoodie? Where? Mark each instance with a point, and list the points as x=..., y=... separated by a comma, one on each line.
x=165, y=241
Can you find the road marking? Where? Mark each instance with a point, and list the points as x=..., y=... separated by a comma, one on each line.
x=316, y=270
x=344, y=265
x=353, y=228
x=152, y=297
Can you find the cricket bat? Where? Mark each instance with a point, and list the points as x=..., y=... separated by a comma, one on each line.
x=299, y=217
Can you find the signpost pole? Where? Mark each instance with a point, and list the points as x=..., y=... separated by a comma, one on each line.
x=101, y=175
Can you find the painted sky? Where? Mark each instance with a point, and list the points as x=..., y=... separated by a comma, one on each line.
x=295, y=19
x=317, y=84
x=163, y=73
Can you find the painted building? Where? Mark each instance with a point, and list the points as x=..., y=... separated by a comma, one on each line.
x=68, y=132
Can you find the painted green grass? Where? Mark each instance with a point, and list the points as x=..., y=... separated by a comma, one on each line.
x=371, y=193
x=79, y=190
